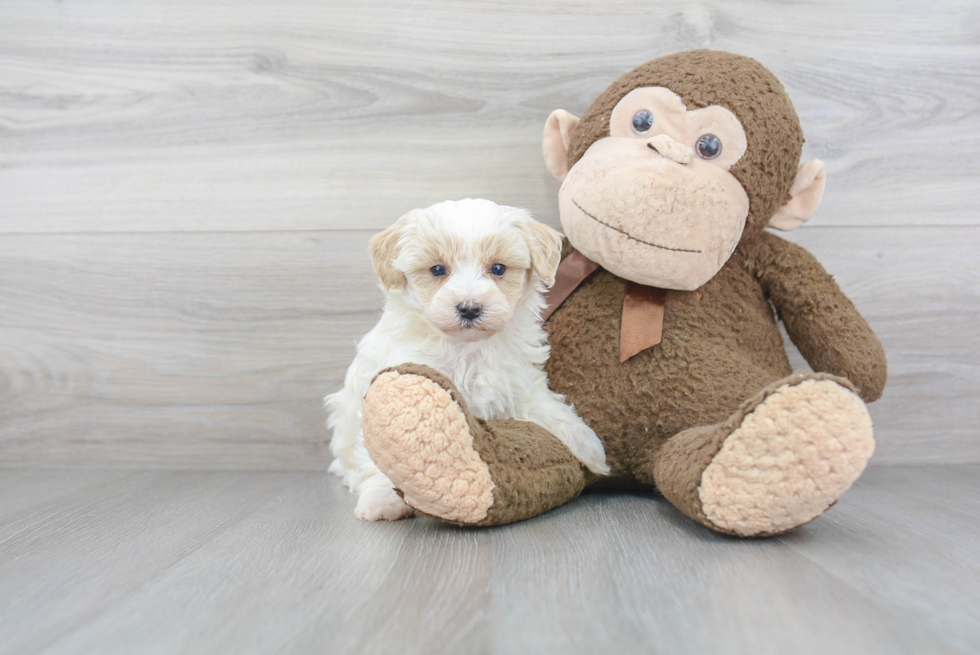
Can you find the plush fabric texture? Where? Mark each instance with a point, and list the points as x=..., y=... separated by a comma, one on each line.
x=712, y=415
x=707, y=219
x=419, y=435
x=678, y=466
x=740, y=84
x=721, y=345
x=532, y=471
x=823, y=323
x=451, y=465
x=789, y=460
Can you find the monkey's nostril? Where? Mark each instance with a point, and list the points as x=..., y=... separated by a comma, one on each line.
x=468, y=310
x=653, y=147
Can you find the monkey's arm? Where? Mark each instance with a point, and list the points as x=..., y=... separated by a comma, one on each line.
x=820, y=319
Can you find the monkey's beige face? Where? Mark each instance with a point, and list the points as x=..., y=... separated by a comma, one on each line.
x=654, y=202
x=467, y=266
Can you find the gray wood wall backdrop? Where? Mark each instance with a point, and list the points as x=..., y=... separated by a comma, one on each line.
x=187, y=189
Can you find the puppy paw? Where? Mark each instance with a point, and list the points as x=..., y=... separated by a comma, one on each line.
x=584, y=443
x=590, y=451
x=336, y=467
x=381, y=504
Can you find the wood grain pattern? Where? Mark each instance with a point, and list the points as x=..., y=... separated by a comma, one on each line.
x=939, y=541
x=300, y=574
x=920, y=297
x=186, y=189
x=236, y=562
x=23, y=489
x=214, y=116
x=110, y=541
x=214, y=350
x=647, y=580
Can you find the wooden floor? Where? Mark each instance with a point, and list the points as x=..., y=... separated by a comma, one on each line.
x=268, y=562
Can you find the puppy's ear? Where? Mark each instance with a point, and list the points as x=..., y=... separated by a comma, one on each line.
x=384, y=250
x=545, y=246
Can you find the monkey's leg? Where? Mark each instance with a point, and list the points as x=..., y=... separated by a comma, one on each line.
x=780, y=461
x=455, y=467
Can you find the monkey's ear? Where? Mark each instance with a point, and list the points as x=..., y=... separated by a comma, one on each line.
x=384, y=250
x=545, y=246
x=806, y=193
x=557, y=137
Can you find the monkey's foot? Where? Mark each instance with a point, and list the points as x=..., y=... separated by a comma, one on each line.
x=419, y=434
x=783, y=459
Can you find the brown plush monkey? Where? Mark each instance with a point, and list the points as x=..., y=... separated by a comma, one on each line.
x=663, y=332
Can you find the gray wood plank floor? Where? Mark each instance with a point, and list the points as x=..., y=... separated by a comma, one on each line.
x=274, y=562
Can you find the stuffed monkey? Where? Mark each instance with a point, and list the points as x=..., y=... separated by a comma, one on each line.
x=663, y=323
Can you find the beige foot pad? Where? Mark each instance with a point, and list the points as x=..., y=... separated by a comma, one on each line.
x=419, y=437
x=789, y=460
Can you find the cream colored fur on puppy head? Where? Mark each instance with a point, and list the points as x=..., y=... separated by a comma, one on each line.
x=464, y=286
x=466, y=265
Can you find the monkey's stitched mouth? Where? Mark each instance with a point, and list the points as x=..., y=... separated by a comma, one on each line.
x=630, y=236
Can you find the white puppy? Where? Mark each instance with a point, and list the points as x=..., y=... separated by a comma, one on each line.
x=463, y=283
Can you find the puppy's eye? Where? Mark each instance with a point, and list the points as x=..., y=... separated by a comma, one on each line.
x=438, y=270
x=642, y=121
x=708, y=146
x=498, y=269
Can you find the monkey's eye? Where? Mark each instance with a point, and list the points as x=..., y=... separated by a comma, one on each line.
x=708, y=146
x=642, y=121
x=498, y=269
x=438, y=270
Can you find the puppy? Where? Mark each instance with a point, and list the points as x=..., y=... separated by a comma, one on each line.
x=463, y=286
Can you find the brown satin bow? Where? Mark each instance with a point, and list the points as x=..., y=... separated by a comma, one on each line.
x=643, y=306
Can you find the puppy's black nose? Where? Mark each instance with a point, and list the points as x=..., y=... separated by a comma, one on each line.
x=469, y=310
